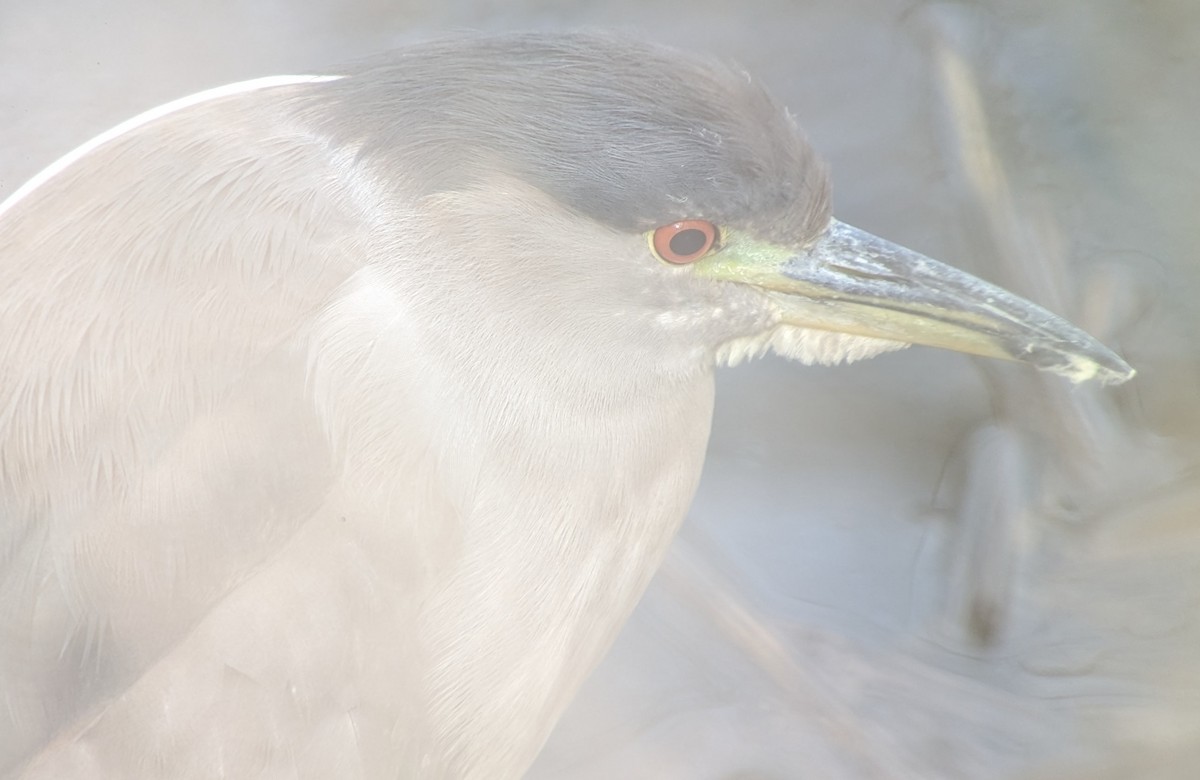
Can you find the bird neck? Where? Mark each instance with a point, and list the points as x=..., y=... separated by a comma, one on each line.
x=529, y=495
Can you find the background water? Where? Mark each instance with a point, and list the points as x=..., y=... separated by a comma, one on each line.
x=921, y=566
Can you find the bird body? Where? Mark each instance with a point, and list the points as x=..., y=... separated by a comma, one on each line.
x=210, y=451
x=344, y=419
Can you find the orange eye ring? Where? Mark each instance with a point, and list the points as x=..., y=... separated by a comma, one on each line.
x=680, y=243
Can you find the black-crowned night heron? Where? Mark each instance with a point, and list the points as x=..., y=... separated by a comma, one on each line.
x=344, y=419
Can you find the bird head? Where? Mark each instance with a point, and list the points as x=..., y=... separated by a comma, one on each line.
x=664, y=202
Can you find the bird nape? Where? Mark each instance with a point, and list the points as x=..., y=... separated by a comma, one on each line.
x=345, y=418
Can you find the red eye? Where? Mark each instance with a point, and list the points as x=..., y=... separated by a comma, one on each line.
x=684, y=242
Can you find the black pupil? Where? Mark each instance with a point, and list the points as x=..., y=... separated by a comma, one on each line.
x=688, y=242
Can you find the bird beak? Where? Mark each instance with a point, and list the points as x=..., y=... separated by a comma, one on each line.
x=855, y=282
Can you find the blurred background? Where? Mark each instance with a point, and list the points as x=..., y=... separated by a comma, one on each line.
x=922, y=566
